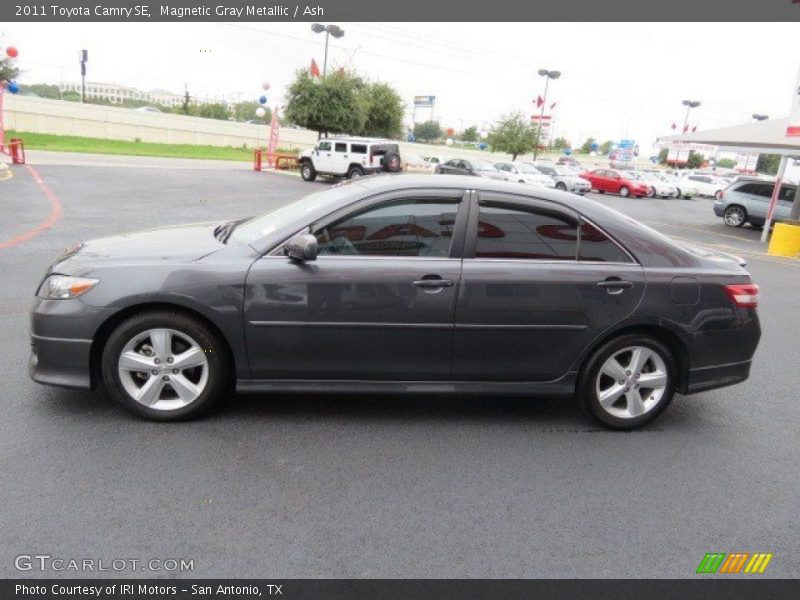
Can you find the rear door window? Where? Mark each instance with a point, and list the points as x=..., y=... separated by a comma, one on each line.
x=513, y=232
x=596, y=246
x=358, y=148
x=340, y=147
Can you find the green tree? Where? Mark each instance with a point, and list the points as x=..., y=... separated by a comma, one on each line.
x=561, y=143
x=330, y=104
x=587, y=145
x=605, y=147
x=768, y=163
x=427, y=131
x=695, y=160
x=43, y=90
x=186, y=104
x=214, y=110
x=383, y=111
x=246, y=111
x=726, y=163
x=513, y=135
x=470, y=134
x=8, y=72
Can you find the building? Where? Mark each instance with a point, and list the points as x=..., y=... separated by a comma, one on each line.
x=118, y=94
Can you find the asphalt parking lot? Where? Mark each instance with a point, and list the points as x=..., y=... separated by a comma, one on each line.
x=335, y=486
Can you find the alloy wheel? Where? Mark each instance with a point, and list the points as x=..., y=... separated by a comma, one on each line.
x=163, y=369
x=734, y=216
x=631, y=382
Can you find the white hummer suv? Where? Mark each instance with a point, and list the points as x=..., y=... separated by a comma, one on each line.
x=349, y=157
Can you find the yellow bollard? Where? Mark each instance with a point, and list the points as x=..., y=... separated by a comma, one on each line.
x=785, y=240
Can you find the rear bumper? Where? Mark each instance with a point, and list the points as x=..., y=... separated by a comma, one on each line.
x=719, y=210
x=709, y=378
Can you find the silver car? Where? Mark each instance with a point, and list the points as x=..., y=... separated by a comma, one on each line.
x=748, y=201
x=565, y=179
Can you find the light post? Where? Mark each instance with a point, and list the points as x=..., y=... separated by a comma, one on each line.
x=548, y=75
x=83, y=57
x=689, y=104
x=330, y=30
x=758, y=117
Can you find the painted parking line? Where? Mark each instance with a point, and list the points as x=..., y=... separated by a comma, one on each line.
x=56, y=212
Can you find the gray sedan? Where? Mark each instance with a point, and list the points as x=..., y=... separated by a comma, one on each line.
x=566, y=180
x=392, y=284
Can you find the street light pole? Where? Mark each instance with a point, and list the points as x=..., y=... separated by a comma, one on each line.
x=689, y=104
x=548, y=75
x=330, y=30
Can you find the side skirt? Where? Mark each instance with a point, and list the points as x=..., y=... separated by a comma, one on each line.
x=561, y=387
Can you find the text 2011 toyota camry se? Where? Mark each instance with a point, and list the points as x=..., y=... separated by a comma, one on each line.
x=399, y=284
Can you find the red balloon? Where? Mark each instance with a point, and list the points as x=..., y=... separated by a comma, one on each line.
x=12, y=52
x=450, y=131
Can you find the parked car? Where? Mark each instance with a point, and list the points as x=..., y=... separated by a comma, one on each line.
x=615, y=182
x=658, y=186
x=568, y=160
x=462, y=166
x=413, y=163
x=483, y=287
x=684, y=187
x=149, y=109
x=524, y=173
x=748, y=202
x=707, y=185
x=565, y=179
x=349, y=157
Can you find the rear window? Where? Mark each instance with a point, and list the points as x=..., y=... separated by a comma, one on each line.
x=358, y=148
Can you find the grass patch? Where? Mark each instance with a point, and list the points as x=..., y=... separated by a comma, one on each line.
x=73, y=143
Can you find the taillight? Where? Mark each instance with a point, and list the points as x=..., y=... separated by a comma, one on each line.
x=743, y=296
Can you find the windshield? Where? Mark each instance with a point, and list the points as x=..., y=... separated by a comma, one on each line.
x=529, y=169
x=303, y=209
x=481, y=165
x=547, y=170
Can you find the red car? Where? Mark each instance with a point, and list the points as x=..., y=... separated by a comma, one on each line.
x=616, y=182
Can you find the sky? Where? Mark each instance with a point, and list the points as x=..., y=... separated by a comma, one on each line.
x=619, y=81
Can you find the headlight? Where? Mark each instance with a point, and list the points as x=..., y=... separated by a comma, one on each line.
x=60, y=287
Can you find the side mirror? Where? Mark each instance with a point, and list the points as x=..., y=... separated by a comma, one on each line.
x=302, y=247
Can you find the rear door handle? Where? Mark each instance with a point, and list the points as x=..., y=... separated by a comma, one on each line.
x=433, y=283
x=615, y=286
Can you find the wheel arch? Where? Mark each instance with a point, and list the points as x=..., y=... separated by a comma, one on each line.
x=113, y=321
x=661, y=333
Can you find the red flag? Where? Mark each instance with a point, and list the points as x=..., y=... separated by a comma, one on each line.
x=539, y=101
x=694, y=128
x=685, y=128
x=553, y=105
x=314, y=68
x=674, y=126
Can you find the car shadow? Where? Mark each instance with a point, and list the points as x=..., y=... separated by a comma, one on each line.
x=545, y=414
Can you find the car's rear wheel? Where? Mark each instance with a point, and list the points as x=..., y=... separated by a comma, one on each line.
x=629, y=381
x=308, y=172
x=165, y=366
x=651, y=192
x=355, y=173
x=624, y=191
x=561, y=186
x=734, y=216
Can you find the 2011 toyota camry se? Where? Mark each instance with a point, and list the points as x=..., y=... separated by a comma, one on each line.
x=399, y=284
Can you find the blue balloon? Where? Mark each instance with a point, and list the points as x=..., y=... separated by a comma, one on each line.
x=594, y=146
x=567, y=151
x=483, y=145
x=262, y=100
x=13, y=87
x=410, y=138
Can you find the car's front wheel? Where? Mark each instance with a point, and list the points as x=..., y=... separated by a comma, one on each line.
x=628, y=381
x=165, y=366
x=308, y=172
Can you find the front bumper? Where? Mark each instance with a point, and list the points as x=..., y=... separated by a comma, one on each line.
x=61, y=342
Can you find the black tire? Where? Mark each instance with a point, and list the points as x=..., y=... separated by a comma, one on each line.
x=734, y=215
x=391, y=162
x=561, y=186
x=355, y=172
x=307, y=171
x=588, y=380
x=220, y=375
x=601, y=191
x=651, y=192
x=624, y=191
x=678, y=193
